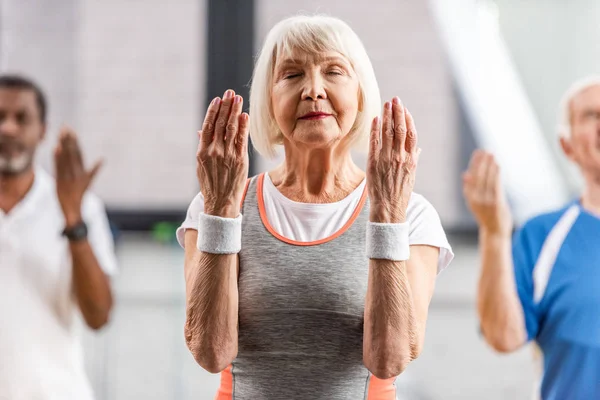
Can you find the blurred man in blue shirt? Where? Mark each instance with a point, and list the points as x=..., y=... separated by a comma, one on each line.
x=543, y=283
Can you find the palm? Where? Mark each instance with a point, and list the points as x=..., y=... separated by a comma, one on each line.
x=72, y=179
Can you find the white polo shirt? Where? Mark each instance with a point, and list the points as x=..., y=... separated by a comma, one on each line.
x=40, y=322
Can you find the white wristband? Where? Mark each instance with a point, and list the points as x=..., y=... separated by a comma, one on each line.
x=388, y=241
x=219, y=235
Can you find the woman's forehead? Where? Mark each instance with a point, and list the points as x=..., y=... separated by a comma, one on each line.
x=300, y=57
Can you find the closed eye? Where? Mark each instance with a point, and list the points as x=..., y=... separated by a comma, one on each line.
x=292, y=76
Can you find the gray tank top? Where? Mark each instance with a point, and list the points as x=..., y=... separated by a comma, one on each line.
x=301, y=314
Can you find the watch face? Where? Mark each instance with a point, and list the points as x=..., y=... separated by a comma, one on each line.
x=77, y=232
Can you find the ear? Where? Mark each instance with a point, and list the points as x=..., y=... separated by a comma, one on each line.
x=567, y=147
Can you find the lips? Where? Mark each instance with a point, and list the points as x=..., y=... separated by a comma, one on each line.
x=11, y=147
x=315, y=115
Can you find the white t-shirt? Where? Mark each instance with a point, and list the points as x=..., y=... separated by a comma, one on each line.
x=309, y=222
x=41, y=356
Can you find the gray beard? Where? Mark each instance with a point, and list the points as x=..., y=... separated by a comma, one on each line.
x=14, y=165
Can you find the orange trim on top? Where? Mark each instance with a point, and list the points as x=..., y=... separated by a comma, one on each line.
x=225, y=391
x=245, y=191
x=381, y=389
x=263, y=217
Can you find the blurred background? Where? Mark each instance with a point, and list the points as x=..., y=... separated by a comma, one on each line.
x=134, y=78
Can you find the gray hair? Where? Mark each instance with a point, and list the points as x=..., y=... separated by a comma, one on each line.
x=564, y=123
x=312, y=34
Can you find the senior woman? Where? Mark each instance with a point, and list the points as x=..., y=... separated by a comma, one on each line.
x=313, y=280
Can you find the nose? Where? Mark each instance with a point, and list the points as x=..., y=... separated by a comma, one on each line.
x=314, y=88
x=8, y=127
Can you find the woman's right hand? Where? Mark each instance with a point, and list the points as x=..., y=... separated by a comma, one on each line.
x=483, y=192
x=222, y=157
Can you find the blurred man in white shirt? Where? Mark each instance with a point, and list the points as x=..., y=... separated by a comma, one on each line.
x=56, y=255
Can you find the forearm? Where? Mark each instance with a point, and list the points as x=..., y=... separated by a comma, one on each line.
x=498, y=303
x=212, y=309
x=390, y=329
x=91, y=285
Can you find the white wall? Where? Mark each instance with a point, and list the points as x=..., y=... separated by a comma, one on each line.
x=37, y=39
x=553, y=43
x=129, y=77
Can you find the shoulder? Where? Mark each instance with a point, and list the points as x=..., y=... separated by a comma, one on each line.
x=530, y=239
x=540, y=226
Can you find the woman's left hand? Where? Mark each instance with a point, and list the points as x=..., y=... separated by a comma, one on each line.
x=392, y=163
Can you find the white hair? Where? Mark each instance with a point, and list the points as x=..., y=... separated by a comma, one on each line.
x=309, y=34
x=580, y=86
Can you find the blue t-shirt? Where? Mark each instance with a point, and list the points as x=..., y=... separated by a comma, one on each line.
x=557, y=269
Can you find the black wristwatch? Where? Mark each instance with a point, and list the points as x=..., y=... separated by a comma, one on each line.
x=77, y=232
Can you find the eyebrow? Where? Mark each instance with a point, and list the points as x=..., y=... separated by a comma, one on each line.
x=290, y=62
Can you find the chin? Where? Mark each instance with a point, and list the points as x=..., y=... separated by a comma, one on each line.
x=14, y=165
x=317, y=140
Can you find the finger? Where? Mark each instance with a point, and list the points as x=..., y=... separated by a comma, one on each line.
x=399, y=126
x=411, y=133
x=415, y=155
x=208, y=126
x=94, y=171
x=467, y=180
x=74, y=152
x=231, y=130
x=223, y=117
x=475, y=161
x=59, y=161
x=467, y=187
x=241, y=138
x=491, y=181
x=66, y=142
x=482, y=173
x=64, y=161
x=374, y=142
x=387, y=135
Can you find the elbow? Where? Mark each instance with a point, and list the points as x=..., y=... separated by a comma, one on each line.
x=97, y=313
x=97, y=320
x=209, y=357
x=97, y=324
x=504, y=341
x=502, y=345
x=387, y=366
x=387, y=370
x=210, y=363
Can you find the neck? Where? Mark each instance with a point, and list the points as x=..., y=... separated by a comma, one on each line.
x=590, y=200
x=316, y=175
x=14, y=187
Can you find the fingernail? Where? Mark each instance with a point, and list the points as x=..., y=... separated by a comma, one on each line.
x=245, y=117
x=228, y=94
x=396, y=100
x=215, y=101
x=237, y=99
x=388, y=106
